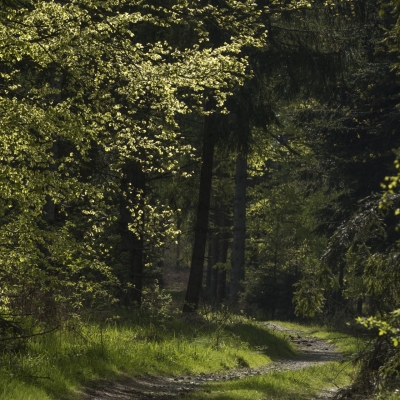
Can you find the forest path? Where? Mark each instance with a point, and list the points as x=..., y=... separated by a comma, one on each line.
x=312, y=351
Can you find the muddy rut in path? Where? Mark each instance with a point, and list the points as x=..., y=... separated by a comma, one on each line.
x=312, y=351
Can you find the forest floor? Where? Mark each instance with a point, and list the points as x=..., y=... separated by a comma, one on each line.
x=311, y=352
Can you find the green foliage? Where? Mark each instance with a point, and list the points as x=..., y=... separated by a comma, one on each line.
x=92, y=91
x=88, y=88
x=388, y=326
x=309, y=297
x=156, y=302
x=383, y=268
x=351, y=137
x=281, y=245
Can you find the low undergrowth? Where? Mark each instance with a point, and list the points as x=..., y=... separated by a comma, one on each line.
x=55, y=365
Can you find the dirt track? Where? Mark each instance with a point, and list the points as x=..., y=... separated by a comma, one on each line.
x=312, y=351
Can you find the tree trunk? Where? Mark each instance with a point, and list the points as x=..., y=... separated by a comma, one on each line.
x=209, y=269
x=223, y=256
x=340, y=300
x=132, y=184
x=275, y=269
x=239, y=228
x=49, y=306
x=215, y=258
x=201, y=227
x=178, y=245
x=360, y=307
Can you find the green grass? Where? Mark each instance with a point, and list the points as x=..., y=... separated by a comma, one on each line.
x=292, y=385
x=289, y=385
x=56, y=365
x=345, y=343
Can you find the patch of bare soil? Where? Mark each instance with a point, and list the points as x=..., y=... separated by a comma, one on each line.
x=312, y=352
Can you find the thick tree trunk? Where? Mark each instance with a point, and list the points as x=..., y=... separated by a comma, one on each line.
x=132, y=184
x=239, y=228
x=201, y=227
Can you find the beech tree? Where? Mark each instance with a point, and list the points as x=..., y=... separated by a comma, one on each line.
x=122, y=90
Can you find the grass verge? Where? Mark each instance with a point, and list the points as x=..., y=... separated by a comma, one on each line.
x=292, y=385
x=56, y=365
x=288, y=385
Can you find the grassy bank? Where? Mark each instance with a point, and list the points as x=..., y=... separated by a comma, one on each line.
x=291, y=385
x=55, y=365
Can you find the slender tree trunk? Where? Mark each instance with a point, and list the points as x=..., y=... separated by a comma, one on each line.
x=239, y=228
x=212, y=271
x=49, y=306
x=275, y=269
x=201, y=227
x=360, y=307
x=132, y=184
x=178, y=245
x=209, y=269
x=215, y=255
x=341, y=302
x=224, y=246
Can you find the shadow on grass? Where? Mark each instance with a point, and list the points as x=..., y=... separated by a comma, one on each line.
x=273, y=345
x=59, y=363
x=67, y=375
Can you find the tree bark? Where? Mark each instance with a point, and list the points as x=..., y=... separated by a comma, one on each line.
x=215, y=258
x=209, y=269
x=275, y=268
x=239, y=228
x=49, y=305
x=201, y=227
x=223, y=256
x=178, y=244
x=132, y=183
